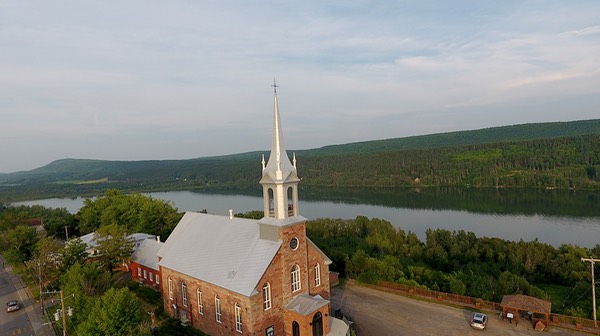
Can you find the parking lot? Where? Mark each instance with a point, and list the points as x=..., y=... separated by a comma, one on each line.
x=379, y=313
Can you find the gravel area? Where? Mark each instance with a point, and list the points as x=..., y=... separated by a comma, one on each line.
x=380, y=313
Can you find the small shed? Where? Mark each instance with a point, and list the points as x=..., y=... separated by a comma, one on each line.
x=522, y=306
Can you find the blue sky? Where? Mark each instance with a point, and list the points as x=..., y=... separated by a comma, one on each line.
x=144, y=80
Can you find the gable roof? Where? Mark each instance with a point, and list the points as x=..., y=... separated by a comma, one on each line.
x=305, y=304
x=528, y=303
x=224, y=251
x=145, y=253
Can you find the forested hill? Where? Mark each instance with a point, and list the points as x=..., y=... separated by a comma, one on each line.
x=546, y=155
x=462, y=138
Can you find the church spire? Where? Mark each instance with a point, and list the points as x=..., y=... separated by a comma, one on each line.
x=279, y=174
x=279, y=165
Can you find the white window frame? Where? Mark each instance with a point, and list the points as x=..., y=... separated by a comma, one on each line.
x=317, y=275
x=139, y=272
x=145, y=274
x=267, y=296
x=157, y=279
x=170, y=289
x=238, y=318
x=151, y=276
x=296, y=285
x=184, y=294
x=200, y=304
x=218, y=309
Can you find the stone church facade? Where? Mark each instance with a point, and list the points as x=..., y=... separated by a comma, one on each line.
x=235, y=276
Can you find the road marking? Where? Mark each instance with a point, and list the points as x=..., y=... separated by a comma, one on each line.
x=21, y=331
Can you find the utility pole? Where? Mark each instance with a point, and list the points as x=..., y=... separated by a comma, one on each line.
x=592, y=261
x=64, y=311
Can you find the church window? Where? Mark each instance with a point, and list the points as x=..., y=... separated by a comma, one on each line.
x=151, y=276
x=267, y=296
x=295, y=278
x=238, y=318
x=184, y=294
x=218, y=309
x=139, y=272
x=170, y=289
x=157, y=279
x=200, y=304
x=317, y=275
x=145, y=274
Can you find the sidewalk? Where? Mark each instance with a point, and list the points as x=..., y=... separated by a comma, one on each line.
x=32, y=308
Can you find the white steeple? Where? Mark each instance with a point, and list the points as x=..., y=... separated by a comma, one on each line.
x=279, y=176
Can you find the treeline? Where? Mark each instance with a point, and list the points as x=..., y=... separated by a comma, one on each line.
x=459, y=262
x=572, y=162
x=548, y=155
x=103, y=303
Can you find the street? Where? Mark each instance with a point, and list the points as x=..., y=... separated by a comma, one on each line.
x=16, y=322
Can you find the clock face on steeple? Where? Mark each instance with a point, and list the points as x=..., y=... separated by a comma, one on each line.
x=294, y=243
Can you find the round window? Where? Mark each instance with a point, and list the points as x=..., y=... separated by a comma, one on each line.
x=294, y=243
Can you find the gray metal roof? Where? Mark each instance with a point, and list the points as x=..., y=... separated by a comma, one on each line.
x=224, y=251
x=145, y=253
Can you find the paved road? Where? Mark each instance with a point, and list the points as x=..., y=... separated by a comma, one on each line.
x=380, y=313
x=23, y=322
x=17, y=322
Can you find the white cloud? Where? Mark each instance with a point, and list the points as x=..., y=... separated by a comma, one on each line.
x=87, y=76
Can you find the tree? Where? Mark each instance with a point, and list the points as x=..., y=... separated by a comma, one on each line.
x=85, y=281
x=74, y=252
x=118, y=312
x=113, y=245
x=44, y=266
x=18, y=244
x=138, y=213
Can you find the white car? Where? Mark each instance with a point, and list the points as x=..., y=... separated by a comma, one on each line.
x=479, y=321
x=12, y=305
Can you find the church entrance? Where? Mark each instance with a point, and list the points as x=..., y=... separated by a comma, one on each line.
x=317, y=324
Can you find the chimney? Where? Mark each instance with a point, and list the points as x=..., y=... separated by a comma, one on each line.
x=230, y=213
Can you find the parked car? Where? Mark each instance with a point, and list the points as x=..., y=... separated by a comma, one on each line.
x=479, y=321
x=12, y=305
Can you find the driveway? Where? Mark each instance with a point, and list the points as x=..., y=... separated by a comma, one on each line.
x=381, y=313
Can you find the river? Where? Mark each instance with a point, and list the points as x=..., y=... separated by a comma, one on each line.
x=557, y=217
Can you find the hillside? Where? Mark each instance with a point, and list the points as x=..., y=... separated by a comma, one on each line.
x=548, y=155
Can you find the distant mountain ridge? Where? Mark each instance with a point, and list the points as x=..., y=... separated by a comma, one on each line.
x=244, y=167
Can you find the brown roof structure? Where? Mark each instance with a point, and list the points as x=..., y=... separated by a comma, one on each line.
x=526, y=303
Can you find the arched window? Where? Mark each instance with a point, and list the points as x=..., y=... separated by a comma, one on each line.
x=200, y=304
x=317, y=275
x=170, y=289
x=238, y=318
x=295, y=329
x=267, y=296
x=317, y=324
x=184, y=294
x=295, y=278
x=218, y=309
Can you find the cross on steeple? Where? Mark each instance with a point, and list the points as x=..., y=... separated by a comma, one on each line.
x=275, y=86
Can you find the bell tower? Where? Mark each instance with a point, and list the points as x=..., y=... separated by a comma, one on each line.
x=279, y=178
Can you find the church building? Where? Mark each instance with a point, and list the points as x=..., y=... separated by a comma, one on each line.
x=234, y=276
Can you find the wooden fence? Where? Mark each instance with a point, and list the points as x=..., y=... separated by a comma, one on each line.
x=563, y=321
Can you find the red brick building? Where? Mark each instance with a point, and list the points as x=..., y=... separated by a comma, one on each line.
x=144, y=264
x=234, y=276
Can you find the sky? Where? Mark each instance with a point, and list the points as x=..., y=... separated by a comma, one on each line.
x=180, y=79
